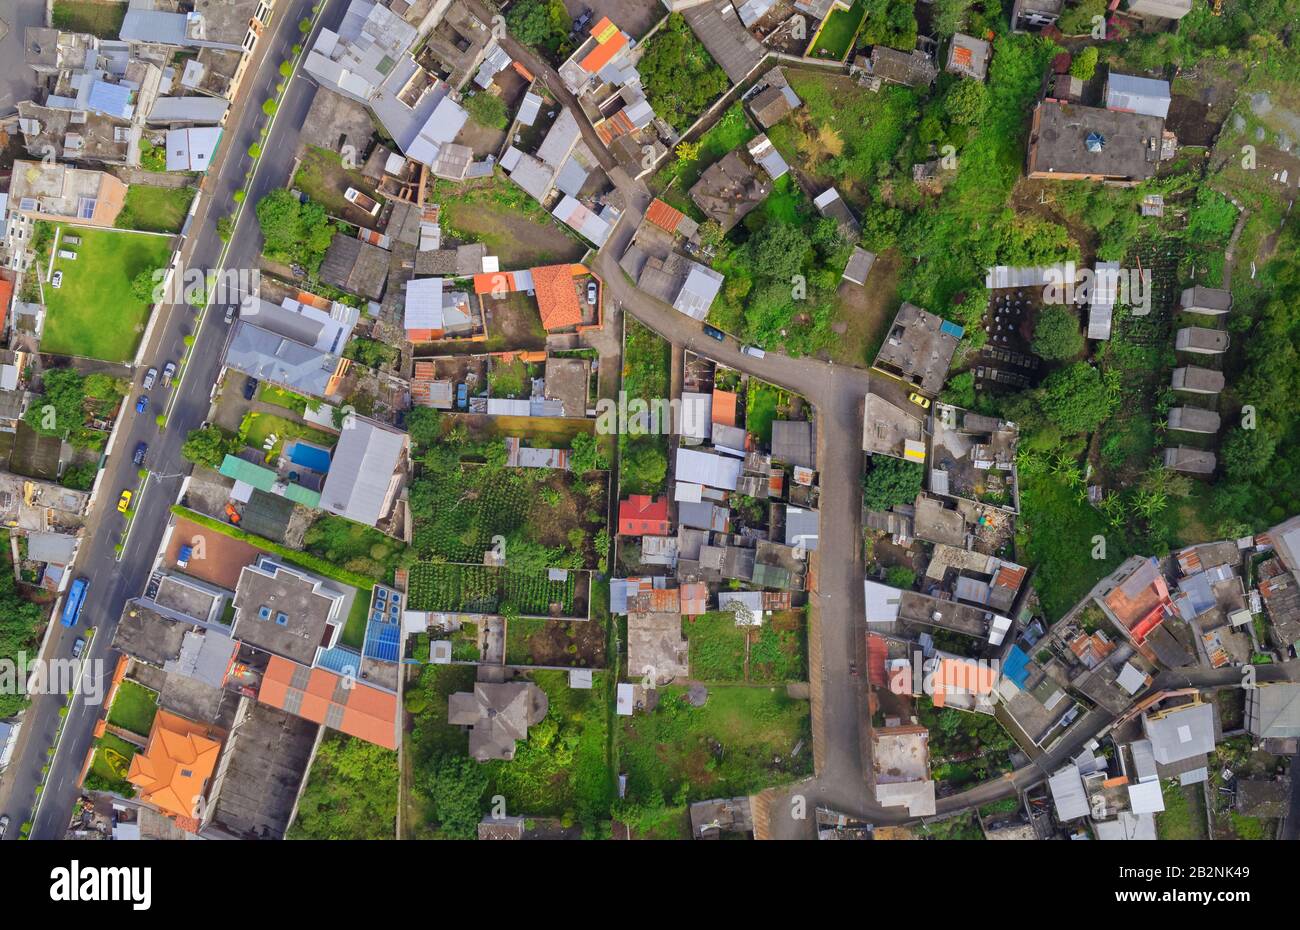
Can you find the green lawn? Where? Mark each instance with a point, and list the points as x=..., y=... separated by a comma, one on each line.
x=838, y=31
x=112, y=762
x=134, y=708
x=354, y=631
x=761, y=401
x=1184, y=815
x=717, y=647
x=279, y=397
x=723, y=749
x=155, y=209
x=95, y=314
x=102, y=19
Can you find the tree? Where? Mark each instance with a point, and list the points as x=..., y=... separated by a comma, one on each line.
x=586, y=455
x=890, y=481
x=61, y=409
x=293, y=231
x=487, y=110
x=966, y=102
x=209, y=445
x=778, y=251
x=1247, y=452
x=1085, y=64
x=643, y=465
x=543, y=23
x=950, y=16
x=1056, y=334
x=143, y=284
x=351, y=794
x=900, y=576
x=1076, y=399
x=425, y=426
x=455, y=786
x=680, y=77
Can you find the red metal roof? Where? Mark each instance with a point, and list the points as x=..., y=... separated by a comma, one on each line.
x=642, y=515
x=367, y=712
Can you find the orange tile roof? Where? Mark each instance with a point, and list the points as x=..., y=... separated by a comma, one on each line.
x=173, y=771
x=557, y=298
x=724, y=407
x=664, y=215
x=360, y=710
x=610, y=41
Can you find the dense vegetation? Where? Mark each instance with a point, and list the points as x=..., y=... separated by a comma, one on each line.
x=293, y=232
x=351, y=793
x=680, y=77
x=890, y=481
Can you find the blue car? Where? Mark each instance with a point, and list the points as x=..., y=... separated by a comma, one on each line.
x=142, y=404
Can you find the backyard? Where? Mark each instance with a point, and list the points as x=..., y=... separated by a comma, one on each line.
x=258, y=429
x=560, y=643
x=838, y=32
x=111, y=763
x=102, y=18
x=351, y=792
x=511, y=224
x=96, y=313
x=134, y=707
x=741, y=741
x=155, y=209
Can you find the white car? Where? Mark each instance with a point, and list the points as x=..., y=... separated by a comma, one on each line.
x=57, y=280
x=755, y=351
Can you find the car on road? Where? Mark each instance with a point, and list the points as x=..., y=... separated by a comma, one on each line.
x=169, y=371
x=250, y=388
x=714, y=333
x=140, y=452
x=78, y=647
x=919, y=399
x=230, y=313
x=150, y=378
x=755, y=351
x=591, y=293
x=142, y=404
x=57, y=280
x=124, y=502
x=4, y=826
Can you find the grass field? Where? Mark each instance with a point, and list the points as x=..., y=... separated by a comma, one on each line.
x=279, y=397
x=95, y=313
x=134, y=708
x=838, y=31
x=723, y=749
x=155, y=209
x=717, y=647
x=511, y=224
x=1184, y=815
x=761, y=402
x=99, y=18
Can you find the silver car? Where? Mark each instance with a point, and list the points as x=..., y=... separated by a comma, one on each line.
x=150, y=378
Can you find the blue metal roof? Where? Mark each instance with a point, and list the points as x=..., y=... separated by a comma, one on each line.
x=1016, y=667
x=113, y=99
x=952, y=329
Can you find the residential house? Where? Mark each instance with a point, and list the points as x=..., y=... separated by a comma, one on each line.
x=1127, y=93
x=1201, y=340
x=1181, y=737
x=775, y=99
x=356, y=266
x=498, y=716
x=911, y=69
x=643, y=515
x=341, y=702
x=1193, y=420
x=1190, y=460
x=173, y=772
x=1273, y=710
x=1074, y=143
x=728, y=190
x=367, y=471
x=919, y=348
x=900, y=769
x=968, y=56
x=1160, y=10
x=286, y=611
x=278, y=360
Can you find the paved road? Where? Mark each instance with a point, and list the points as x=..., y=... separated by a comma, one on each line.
x=17, y=81
x=113, y=582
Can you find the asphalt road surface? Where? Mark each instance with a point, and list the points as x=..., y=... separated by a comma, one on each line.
x=113, y=582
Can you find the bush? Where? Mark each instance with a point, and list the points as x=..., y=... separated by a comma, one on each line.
x=268, y=107
x=890, y=481
x=255, y=150
x=286, y=68
x=1085, y=64
x=1056, y=334
x=487, y=110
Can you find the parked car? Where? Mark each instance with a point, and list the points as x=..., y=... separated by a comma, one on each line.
x=755, y=351
x=591, y=293
x=57, y=280
x=68, y=254
x=140, y=452
x=78, y=647
x=142, y=404
x=124, y=502
x=232, y=514
x=150, y=378
x=71, y=240
x=714, y=333
x=4, y=826
x=183, y=557
x=919, y=400
x=230, y=313
x=169, y=371
x=250, y=388
x=361, y=201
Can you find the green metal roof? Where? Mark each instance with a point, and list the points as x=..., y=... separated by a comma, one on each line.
x=265, y=479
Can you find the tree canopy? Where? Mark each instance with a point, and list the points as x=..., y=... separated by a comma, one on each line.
x=679, y=75
x=293, y=232
x=890, y=481
x=1056, y=334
